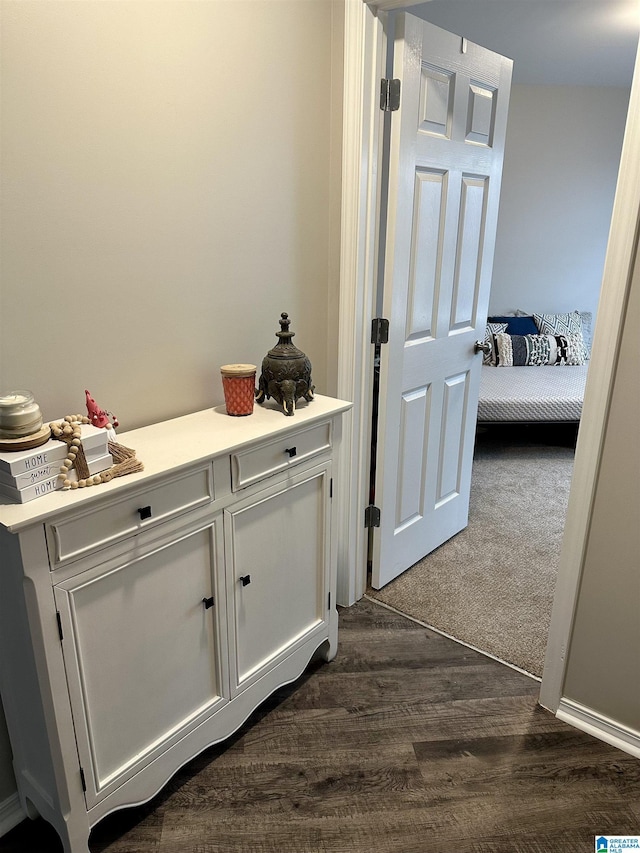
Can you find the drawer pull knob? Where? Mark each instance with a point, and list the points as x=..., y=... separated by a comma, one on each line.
x=208, y=602
x=245, y=580
x=144, y=512
x=292, y=451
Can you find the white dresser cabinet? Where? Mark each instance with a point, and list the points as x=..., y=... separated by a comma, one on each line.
x=144, y=619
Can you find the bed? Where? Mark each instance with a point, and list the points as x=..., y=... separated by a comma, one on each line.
x=536, y=368
x=528, y=395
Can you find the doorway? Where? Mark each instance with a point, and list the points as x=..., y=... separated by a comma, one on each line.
x=438, y=5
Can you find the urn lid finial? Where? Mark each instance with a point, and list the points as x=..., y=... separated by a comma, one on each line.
x=285, y=322
x=284, y=334
x=285, y=348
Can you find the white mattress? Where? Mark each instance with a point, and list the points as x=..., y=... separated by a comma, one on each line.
x=550, y=393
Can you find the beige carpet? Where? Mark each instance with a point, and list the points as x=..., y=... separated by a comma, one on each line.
x=492, y=585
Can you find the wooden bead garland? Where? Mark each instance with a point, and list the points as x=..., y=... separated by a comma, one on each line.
x=69, y=430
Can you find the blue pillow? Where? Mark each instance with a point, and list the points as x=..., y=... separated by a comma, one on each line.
x=517, y=325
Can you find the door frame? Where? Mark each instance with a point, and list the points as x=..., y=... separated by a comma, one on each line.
x=364, y=49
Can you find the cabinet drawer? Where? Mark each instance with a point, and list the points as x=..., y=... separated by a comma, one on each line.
x=76, y=535
x=249, y=466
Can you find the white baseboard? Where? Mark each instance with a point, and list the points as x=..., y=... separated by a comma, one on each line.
x=11, y=813
x=599, y=726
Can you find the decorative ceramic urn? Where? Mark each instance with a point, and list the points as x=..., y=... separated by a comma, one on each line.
x=286, y=372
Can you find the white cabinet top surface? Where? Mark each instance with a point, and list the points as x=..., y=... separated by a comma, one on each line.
x=174, y=444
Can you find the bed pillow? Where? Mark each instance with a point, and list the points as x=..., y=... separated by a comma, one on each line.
x=569, y=324
x=490, y=332
x=587, y=333
x=538, y=350
x=521, y=325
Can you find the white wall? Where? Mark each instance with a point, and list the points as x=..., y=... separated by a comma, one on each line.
x=561, y=162
x=166, y=187
x=169, y=175
x=603, y=660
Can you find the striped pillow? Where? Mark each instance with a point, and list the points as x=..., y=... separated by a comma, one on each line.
x=538, y=350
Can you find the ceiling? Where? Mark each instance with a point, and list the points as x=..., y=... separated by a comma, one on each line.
x=552, y=42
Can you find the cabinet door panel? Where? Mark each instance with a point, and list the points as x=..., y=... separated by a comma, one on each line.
x=142, y=655
x=279, y=546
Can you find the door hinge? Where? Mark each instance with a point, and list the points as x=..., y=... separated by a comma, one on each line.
x=59, y=621
x=83, y=780
x=372, y=516
x=390, y=95
x=379, y=331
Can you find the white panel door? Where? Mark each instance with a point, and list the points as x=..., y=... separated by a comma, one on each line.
x=445, y=146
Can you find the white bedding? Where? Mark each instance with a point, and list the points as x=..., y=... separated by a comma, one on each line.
x=550, y=393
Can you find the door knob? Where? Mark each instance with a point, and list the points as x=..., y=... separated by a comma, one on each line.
x=208, y=602
x=245, y=580
x=482, y=346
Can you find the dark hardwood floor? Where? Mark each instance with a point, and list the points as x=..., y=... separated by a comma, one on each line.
x=406, y=743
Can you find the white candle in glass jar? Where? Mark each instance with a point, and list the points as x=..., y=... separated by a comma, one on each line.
x=19, y=414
